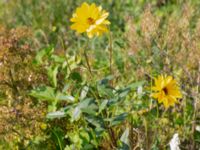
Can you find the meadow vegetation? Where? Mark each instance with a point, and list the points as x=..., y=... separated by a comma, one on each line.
x=129, y=82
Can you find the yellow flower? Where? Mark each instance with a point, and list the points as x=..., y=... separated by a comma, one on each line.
x=90, y=19
x=166, y=90
x=43, y=126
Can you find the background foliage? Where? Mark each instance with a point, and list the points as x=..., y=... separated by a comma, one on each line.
x=49, y=100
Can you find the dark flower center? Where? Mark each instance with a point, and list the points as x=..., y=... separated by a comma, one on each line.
x=90, y=21
x=165, y=91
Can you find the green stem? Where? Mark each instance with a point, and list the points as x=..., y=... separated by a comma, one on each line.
x=63, y=45
x=110, y=51
x=86, y=57
x=87, y=62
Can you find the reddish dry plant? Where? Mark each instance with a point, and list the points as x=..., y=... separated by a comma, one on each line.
x=178, y=44
x=19, y=118
x=174, y=38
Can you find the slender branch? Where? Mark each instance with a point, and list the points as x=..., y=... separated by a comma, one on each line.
x=112, y=137
x=110, y=51
x=87, y=61
x=64, y=47
x=86, y=57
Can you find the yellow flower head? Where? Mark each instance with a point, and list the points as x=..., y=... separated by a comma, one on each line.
x=166, y=90
x=90, y=19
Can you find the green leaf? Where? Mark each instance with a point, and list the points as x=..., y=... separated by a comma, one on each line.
x=44, y=93
x=113, y=101
x=103, y=105
x=58, y=59
x=63, y=97
x=52, y=107
x=106, y=80
x=124, y=92
x=105, y=91
x=119, y=62
x=118, y=119
x=52, y=74
x=57, y=114
x=76, y=77
x=84, y=92
x=39, y=57
x=57, y=135
x=85, y=103
x=99, y=131
x=2, y=96
x=104, y=88
x=125, y=140
x=86, y=106
x=84, y=135
x=91, y=109
x=42, y=53
x=136, y=84
x=76, y=113
x=97, y=121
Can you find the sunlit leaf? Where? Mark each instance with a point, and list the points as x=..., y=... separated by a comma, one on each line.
x=76, y=113
x=84, y=92
x=125, y=140
x=42, y=53
x=57, y=114
x=64, y=97
x=52, y=74
x=103, y=105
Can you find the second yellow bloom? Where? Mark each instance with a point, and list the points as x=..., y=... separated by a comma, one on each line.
x=166, y=90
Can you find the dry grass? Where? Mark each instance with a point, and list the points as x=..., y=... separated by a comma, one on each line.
x=19, y=120
x=177, y=45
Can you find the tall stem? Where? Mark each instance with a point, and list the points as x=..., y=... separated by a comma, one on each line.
x=87, y=62
x=110, y=51
x=86, y=57
x=64, y=47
